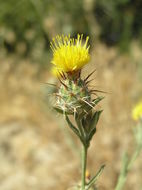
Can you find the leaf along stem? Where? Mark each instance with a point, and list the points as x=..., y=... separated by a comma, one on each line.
x=94, y=179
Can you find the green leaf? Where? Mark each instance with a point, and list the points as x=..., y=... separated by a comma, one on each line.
x=95, y=119
x=62, y=111
x=94, y=179
x=86, y=123
x=93, y=124
x=97, y=100
x=91, y=134
x=79, y=124
x=73, y=128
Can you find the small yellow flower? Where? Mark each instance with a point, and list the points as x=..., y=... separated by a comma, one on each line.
x=137, y=111
x=69, y=54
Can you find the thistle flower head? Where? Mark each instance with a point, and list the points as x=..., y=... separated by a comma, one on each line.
x=69, y=54
x=137, y=111
x=73, y=95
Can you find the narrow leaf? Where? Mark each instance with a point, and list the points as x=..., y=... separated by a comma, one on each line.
x=97, y=100
x=95, y=119
x=73, y=128
x=92, y=134
x=93, y=124
x=94, y=179
x=62, y=111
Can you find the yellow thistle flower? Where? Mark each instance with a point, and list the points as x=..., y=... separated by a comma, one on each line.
x=137, y=111
x=56, y=72
x=69, y=54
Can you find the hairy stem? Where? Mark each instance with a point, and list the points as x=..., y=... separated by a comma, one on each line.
x=84, y=163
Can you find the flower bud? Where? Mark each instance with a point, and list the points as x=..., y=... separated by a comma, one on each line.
x=73, y=96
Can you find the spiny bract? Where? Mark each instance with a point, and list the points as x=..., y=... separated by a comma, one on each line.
x=73, y=96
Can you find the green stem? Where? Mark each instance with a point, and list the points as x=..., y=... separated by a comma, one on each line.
x=127, y=165
x=134, y=157
x=123, y=173
x=84, y=163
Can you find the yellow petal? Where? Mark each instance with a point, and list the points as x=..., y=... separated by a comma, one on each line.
x=137, y=111
x=70, y=54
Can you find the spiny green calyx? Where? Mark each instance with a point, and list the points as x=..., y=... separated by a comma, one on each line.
x=73, y=97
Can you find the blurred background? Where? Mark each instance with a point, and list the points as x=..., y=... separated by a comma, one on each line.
x=37, y=150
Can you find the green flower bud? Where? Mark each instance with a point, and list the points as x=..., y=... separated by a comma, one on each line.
x=73, y=96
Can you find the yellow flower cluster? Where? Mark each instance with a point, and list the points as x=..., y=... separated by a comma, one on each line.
x=137, y=111
x=69, y=54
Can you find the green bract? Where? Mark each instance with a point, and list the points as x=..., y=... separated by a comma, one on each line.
x=73, y=97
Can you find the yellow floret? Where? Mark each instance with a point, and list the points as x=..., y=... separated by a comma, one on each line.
x=137, y=111
x=56, y=72
x=70, y=54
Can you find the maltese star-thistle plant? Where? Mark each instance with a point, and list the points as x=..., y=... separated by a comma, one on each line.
x=74, y=98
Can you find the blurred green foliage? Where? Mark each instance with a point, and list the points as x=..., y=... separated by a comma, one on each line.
x=27, y=26
x=120, y=20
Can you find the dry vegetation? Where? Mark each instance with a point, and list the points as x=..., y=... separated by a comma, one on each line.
x=35, y=153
